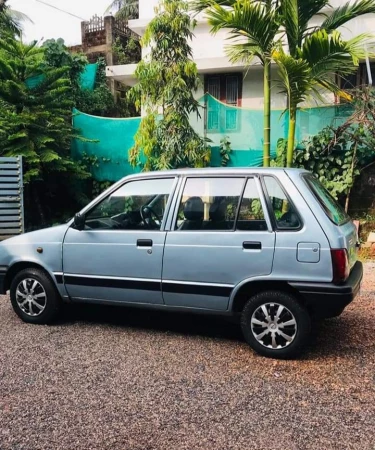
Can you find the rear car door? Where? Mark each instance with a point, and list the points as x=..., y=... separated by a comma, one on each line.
x=220, y=235
x=118, y=255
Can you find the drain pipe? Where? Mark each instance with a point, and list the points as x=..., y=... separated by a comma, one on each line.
x=369, y=75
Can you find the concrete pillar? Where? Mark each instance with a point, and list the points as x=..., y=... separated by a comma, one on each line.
x=83, y=34
x=109, y=26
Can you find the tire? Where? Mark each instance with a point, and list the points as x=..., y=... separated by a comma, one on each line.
x=275, y=337
x=34, y=297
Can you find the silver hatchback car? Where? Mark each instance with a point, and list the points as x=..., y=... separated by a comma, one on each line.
x=269, y=246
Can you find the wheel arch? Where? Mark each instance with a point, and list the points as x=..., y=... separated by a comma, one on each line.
x=18, y=266
x=248, y=288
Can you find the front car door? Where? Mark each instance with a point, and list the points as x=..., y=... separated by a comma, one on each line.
x=220, y=235
x=118, y=255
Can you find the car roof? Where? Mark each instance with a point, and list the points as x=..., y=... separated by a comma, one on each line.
x=220, y=171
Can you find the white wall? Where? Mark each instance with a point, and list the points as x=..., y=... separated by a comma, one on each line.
x=205, y=45
x=146, y=8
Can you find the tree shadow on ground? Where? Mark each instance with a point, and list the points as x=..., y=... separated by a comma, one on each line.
x=334, y=337
x=164, y=321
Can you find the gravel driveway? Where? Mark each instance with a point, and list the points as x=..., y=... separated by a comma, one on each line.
x=114, y=378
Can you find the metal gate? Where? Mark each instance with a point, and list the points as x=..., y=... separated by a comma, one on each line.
x=11, y=197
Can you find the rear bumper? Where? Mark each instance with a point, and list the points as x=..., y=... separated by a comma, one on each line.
x=328, y=299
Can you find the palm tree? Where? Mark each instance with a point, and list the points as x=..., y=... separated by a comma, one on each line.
x=253, y=26
x=11, y=20
x=316, y=54
x=125, y=9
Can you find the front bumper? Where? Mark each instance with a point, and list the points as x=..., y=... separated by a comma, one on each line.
x=3, y=271
x=327, y=299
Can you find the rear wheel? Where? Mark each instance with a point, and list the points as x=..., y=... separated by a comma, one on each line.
x=275, y=325
x=34, y=297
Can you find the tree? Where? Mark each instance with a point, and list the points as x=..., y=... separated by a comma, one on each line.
x=10, y=20
x=167, y=80
x=98, y=101
x=125, y=9
x=253, y=26
x=57, y=55
x=35, y=117
x=316, y=54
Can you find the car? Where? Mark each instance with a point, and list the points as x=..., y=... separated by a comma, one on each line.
x=267, y=246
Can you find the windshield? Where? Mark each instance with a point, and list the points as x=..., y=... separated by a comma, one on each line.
x=331, y=207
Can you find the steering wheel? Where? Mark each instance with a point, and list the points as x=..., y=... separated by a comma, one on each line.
x=150, y=217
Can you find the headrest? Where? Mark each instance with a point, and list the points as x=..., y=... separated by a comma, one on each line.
x=218, y=210
x=289, y=220
x=194, y=209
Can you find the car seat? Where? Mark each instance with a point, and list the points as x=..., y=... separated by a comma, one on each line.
x=193, y=213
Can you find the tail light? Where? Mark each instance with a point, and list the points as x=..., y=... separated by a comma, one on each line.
x=340, y=265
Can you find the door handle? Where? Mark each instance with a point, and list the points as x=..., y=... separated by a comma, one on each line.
x=144, y=243
x=250, y=245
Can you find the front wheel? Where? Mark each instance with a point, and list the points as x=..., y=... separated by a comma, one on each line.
x=34, y=297
x=275, y=325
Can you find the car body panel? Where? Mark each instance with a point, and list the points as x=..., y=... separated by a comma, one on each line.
x=126, y=272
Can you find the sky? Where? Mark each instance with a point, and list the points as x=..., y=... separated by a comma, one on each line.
x=49, y=23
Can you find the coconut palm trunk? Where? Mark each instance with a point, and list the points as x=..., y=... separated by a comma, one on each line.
x=291, y=136
x=267, y=113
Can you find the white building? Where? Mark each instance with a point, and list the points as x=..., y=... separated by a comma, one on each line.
x=233, y=84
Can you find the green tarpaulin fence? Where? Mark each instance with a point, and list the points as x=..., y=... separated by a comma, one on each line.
x=87, y=79
x=243, y=127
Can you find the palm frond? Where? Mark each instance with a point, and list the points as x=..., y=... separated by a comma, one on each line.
x=202, y=5
x=291, y=24
x=124, y=9
x=343, y=14
x=294, y=77
x=247, y=21
x=328, y=54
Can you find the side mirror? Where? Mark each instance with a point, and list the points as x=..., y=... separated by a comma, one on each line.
x=79, y=221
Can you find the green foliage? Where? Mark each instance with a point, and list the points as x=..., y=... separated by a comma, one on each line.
x=225, y=150
x=332, y=157
x=167, y=80
x=10, y=20
x=281, y=149
x=125, y=9
x=100, y=186
x=100, y=101
x=57, y=55
x=127, y=53
x=338, y=155
x=36, y=122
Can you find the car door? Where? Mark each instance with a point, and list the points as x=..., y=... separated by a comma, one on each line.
x=118, y=255
x=220, y=235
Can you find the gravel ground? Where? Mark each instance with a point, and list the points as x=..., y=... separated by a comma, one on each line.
x=114, y=378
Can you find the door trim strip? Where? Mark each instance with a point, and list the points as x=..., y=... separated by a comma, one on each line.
x=147, y=284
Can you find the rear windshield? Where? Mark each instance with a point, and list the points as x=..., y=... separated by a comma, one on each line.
x=333, y=210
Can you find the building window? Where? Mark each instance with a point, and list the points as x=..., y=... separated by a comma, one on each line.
x=227, y=89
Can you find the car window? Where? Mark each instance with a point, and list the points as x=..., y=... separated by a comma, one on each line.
x=333, y=210
x=285, y=215
x=137, y=205
x=209, y=204
x=251, y=216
